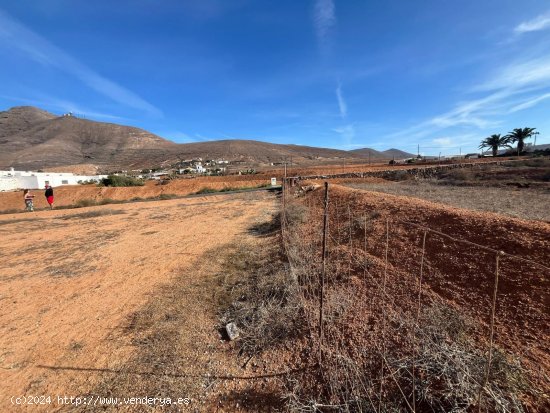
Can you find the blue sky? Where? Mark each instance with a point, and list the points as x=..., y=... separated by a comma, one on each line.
x=332, y=73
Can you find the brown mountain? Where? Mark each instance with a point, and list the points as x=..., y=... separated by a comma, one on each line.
x=32, y=138
x=372, y=153
x=260, y=152
x=397, y=154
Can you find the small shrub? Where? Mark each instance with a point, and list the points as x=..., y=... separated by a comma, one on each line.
x=106, y=201
x=206, y=190
x=81, y=203
x=165, y=197
x=365, y=223
x=263, y=298
x=88, y=182
x=295, y=214
x=121, y=180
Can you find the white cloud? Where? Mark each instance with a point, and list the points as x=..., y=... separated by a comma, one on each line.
x=342, y=106
x=323, y=19
x=517, y=86
x=530, y=103
x=42, y=51
x=532, y=73
x=442, y=141
x=541, y=22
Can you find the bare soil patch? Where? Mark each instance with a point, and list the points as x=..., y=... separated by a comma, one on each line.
x=120, y=301
x=524, y=204
x=376, y=319
x=89, y=195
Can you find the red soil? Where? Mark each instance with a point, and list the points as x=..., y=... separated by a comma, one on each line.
x=457, y=274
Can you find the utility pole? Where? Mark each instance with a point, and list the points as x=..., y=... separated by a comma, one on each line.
x=290, y=166
x=418, y=151
x=369, y=157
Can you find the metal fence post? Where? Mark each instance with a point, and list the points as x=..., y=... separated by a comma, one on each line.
x=323, y=270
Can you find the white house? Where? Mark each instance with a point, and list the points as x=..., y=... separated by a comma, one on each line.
x=199, y=168
x=10, y=180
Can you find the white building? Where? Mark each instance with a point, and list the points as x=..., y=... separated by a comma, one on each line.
x=11, y=180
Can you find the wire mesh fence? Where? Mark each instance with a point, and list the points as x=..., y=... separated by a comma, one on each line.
x=406, y=317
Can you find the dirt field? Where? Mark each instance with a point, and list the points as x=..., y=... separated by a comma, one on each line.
x=347, y=167
x=365, y=227
x=81, y=291
x=519, y=203
x=72, y=194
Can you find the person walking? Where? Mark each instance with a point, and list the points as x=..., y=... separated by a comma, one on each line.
x=49, y=195
x=29, y=204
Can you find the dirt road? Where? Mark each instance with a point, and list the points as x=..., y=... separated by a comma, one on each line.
x=73, y=283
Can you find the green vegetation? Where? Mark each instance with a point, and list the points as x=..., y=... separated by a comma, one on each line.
x=164, y=197
x=206, y=191
x=494, y=142
x=518, y=135
x=121, y=180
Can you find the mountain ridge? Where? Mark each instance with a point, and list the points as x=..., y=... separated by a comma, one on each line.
x=32, y=138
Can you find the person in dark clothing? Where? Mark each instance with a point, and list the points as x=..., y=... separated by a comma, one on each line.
x=49, y=195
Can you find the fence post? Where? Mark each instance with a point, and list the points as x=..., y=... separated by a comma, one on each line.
x=491, y=333
x=384, y=313
x=283, y=215
x=323, y=270
x=418, y=308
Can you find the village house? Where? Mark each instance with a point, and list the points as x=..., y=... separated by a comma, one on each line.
x=12, y=179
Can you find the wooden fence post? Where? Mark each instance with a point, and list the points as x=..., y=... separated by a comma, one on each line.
x=491, y=333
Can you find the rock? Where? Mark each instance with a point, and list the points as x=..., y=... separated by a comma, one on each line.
x=232, y=331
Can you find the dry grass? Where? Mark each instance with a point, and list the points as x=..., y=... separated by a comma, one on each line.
x=525, y=204
x=93, y=214
x=372, y=340
x=260, y=294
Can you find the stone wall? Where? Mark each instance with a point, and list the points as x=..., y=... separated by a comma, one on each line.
x=399, y=174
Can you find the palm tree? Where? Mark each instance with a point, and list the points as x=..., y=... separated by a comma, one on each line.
x=494, y=142
x=519, y=135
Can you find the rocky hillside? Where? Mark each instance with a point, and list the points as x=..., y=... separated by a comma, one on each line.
x=31, y=138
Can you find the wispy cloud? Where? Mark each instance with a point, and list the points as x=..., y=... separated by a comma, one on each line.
x=347, y=133
x=529, y=103
x=65, y=106
x=541, y=22
x=342, y=106
x=517, y=86
x=443, y=141
x=324, y=19
x=40, y=50
x=529, y=73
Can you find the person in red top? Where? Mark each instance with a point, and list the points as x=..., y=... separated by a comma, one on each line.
x=49, y=195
